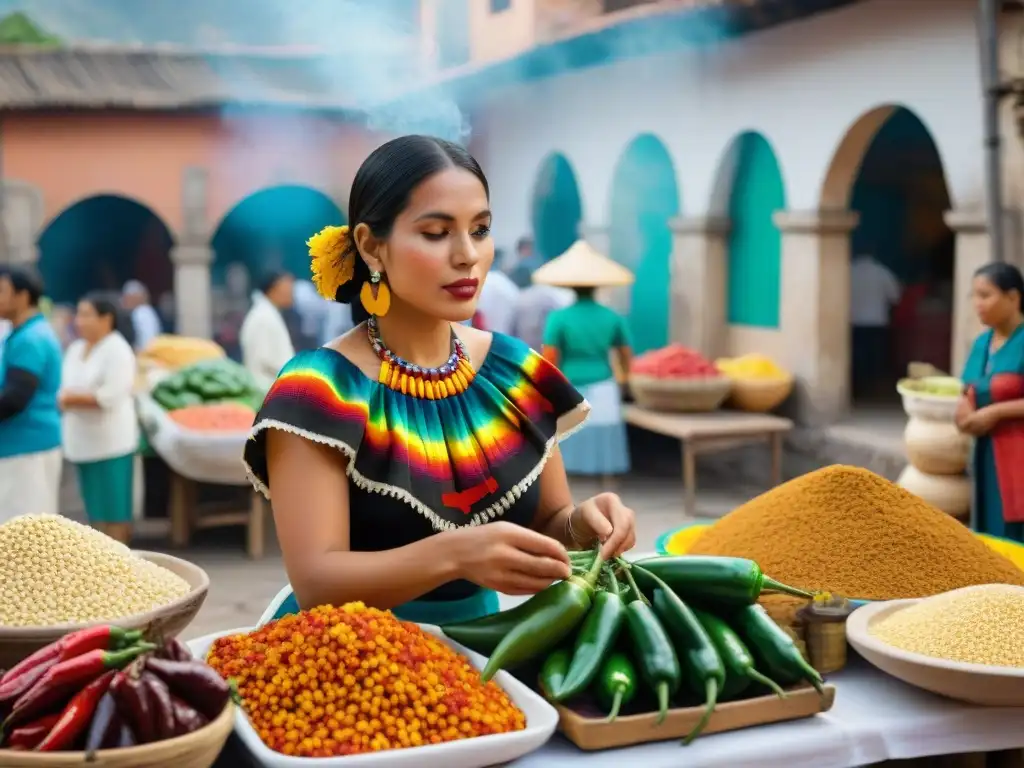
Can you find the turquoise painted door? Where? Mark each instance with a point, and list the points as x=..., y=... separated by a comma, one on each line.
x=644, y=199
x=755, y=245
x=557, y=208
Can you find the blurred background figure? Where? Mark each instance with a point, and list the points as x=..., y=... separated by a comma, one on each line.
x=145, y=319
x=874, y=291
x=264, y=337
x=498, y=300
x=312, y=311
x=533, y=305
x=101, y=430
x=524, y=262
x=30, y=430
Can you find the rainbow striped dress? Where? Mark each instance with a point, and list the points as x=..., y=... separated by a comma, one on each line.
x=421, y=462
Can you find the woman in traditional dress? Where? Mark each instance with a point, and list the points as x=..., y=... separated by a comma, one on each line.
x=992, y=408
x=581, y=340
x=413, y=462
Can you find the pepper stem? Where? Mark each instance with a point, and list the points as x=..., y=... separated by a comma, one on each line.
x=764, y=680
x=595, y=570
x=632, y=583
x=662, y=691
x=812, y=676
x=613, y=582
x=710, y=702
x=778, y=586
x=616, y=705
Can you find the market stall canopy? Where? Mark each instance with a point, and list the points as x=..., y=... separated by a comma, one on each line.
x=583, y=267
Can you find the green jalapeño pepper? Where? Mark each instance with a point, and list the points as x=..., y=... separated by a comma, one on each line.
x=659, y=665
x=615, y=684
x=552, y=614
x=596, y=638
x=774, y=649
x=485, y=633
x=552, y=673
x=740, y=671
x=714, y=580
x=701, y=665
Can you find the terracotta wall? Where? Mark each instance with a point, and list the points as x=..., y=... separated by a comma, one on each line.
x=70, y=157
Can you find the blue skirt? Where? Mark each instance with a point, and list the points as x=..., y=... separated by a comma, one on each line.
x=600, y=446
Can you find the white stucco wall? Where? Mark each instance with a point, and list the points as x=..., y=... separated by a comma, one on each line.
x=802, y=85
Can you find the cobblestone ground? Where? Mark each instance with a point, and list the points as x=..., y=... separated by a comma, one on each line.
x=241, y=588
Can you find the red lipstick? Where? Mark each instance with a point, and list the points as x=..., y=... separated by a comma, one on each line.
x=464, y=289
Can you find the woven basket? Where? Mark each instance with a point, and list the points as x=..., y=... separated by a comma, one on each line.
x=759, y=395
x=193, y=750
x=680, y=395
x=16, y=643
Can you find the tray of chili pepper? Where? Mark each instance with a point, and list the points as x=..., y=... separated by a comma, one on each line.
x=104, y=695
x=675, y=645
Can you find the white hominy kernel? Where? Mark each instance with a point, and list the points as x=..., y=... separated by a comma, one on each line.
x=55, y=571
x=978, y=625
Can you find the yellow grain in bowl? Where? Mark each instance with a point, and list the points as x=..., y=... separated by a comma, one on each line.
x=975, y=625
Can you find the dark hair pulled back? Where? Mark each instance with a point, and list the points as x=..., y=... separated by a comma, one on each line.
x=1005, y=277
x=108, y=306
x=382, y=188
x=25, y=280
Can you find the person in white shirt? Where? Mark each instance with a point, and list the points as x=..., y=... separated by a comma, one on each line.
x=498, y=298
x=264, y=338
x=874, y=291
x=145, y=319
x=100, y=428
x=532, y=309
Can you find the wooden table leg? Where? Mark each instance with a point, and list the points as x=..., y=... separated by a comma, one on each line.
x=689, y=479
x=179, y=512
x=776, y=443
x=255, y=531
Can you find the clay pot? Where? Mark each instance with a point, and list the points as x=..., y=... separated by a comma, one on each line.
x=950, y=493
x=935, y=447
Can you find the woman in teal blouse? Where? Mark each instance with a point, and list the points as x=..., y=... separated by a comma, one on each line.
x=992, y=408
x=580, y=340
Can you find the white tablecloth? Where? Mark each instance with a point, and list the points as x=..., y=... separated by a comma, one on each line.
x=875, y=718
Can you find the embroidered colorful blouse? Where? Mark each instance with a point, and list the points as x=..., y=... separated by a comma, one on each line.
x=419, y=462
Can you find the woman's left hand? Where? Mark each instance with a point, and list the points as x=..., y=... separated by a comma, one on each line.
x=605, y=518
x=982, y=421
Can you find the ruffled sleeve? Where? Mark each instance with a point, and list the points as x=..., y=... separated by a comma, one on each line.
x=318, y=395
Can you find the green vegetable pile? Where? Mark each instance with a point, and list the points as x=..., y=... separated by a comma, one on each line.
x=209, y=381
x=621, y=631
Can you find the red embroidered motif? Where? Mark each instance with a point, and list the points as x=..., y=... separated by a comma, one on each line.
x=464, y=500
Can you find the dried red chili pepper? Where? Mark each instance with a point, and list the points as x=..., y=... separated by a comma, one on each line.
x=66, y=678
x=75, y=718
x=134, y=706
x=174, y=650
x=29, y=736
x=195, y=683
x=19, y=686
x=162, y=706
x=103, y=638
x=186, y=719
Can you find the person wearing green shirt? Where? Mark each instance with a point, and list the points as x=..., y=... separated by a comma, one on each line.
x=581, y=340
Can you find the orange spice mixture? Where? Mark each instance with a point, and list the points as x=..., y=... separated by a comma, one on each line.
x=349, y=680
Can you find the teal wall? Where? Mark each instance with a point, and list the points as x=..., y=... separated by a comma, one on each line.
x=755, y=245
x=644, y=199
x=268, y=230
x=557, y=208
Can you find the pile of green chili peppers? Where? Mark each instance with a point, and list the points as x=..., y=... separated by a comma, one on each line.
x=664, y=627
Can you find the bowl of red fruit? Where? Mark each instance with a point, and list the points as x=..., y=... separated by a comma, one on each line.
x=678, y=379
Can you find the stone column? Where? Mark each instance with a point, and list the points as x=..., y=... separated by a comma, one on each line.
x=599, y=238
x=192, y=257
x=815, y=308
x=698, y=283
x=21, y=224
x=973, y=249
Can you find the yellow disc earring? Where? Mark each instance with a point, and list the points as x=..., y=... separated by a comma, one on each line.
x=375, y=295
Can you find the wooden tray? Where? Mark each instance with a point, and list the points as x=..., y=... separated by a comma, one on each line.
x=593, y=733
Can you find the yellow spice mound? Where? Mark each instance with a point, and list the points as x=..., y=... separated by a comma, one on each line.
x=350, y=680
x=850, y=531
x=978, y=625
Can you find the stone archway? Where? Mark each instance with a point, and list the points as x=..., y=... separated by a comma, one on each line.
x=645, y=199
x=101, y=242
x=888, y=171
x=557, y=208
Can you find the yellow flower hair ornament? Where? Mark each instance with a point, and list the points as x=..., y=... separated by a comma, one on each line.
x=332, y=260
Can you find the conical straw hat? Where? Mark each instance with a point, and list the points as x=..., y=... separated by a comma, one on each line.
x=583, y=267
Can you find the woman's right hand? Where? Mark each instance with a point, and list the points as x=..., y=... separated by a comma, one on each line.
x=964, y=411
x=509, y=558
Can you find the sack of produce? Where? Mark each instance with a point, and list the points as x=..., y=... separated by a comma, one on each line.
x=102, y=688
x=676, y=378
x=936, y=447
x=174, y=352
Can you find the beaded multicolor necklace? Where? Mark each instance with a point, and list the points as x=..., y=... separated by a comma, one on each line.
x=431, y=383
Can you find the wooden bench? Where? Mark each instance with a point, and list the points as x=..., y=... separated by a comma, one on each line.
x=712, y=432
x=187, y=516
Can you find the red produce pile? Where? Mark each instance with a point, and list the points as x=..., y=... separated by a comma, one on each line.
x=674, y=362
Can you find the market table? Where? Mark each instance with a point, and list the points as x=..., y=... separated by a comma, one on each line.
x=710, y=432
